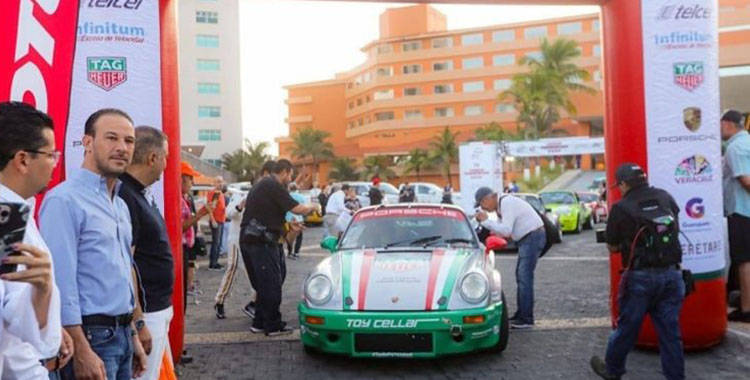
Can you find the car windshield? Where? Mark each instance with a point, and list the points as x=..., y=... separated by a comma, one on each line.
x=388, y=188
x=588, y=197
x=408, y=227
x=558, y=198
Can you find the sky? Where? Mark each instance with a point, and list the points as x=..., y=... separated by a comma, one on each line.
x=285, y=42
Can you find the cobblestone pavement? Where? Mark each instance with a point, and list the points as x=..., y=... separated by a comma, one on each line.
x=572, y=312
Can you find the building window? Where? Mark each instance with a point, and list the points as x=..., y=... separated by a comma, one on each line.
x=474, y=86
x=473, y=110
x=384, y=49
x=367, y=77
x=351, y=124
x=209, y=112
x=208, y=65
x=206, y=17
x=383, y=94
x=207, y=40
x=367, y=98
x=444, y=112
x=503, y=36
x=569, y=28
x=413, y=114
x=503, y=60
x=382, y=116
x=442, y=42
x=351, y=105
x=472, y=63
x=412, y=91
x=597, y=50
x=209, y=88
x=504, y=108
x=384, y=71
x=411, y=46
x=597, y=76
x=472, y=39
x=535, y=55
x=535, y=32
x=412, y=69
x=359, y=102
x=209, y=135
x=595, y=25
x=442, y=66
x=443, y=88
x=502, y=84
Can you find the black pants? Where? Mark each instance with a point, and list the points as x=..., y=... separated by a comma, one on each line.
x=264, y=268
x=297, y=245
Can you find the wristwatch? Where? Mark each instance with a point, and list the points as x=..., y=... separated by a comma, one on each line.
x=140, y=324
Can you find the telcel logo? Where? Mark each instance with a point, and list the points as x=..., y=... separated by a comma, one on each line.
x=684, y=12
x=695, y=208
x=122, y=4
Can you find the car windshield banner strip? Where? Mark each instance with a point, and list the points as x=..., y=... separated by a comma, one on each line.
x=423, y=212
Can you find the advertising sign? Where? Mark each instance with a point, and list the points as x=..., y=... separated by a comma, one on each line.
x=480, y=164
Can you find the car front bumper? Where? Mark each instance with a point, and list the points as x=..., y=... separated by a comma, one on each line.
x=422, y=334
x=568, y=222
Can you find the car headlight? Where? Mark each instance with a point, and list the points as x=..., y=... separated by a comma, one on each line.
x=319, y=289
x=474, y=287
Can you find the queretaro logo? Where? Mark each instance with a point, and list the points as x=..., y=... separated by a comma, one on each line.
x=688, y=75
x=118, y=4
x=694, y=169
x=695, y=208
x=687, y=11
x=691, y=117
x=106, y=72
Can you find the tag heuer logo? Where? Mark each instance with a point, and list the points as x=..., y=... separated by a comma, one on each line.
x=107, y=72
x=691, y=116
x=688, y=75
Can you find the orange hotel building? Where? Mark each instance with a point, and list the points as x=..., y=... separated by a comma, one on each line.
x=420, y=77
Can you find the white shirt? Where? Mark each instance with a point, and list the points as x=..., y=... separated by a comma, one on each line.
x=336, y=203
x=235, y=217
x=22, y=343
x=517, y=218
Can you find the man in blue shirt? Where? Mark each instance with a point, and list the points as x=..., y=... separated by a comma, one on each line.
x=88, y=230
x=736, y=175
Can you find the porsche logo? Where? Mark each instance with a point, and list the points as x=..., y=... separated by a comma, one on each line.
x=394, y=299
x=692, y=118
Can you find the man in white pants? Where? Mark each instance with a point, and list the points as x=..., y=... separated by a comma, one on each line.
x=151, y=247
x=234, y=217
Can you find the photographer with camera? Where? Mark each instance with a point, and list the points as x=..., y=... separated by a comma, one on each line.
x=261, y=227
x=644, y=227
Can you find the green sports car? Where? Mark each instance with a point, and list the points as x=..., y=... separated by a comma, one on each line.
x=409, y=281
x=572, y=214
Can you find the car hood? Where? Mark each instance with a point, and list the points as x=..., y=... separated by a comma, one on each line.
x=555, y=206
x=402, y=280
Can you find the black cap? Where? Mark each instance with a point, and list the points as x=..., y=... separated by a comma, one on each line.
x=481, y=193
x=629, y=171
x=733, y=116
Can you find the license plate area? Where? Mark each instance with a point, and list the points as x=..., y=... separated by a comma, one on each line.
x=393, y=342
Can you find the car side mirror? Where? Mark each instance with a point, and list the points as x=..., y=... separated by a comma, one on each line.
x=494, y=243
x=330, y=243
x=548, y=210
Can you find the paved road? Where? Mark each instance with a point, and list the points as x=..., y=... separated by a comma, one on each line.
x=583, y=182
x=572, y=286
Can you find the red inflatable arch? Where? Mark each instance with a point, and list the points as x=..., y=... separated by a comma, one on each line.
x=40, y=73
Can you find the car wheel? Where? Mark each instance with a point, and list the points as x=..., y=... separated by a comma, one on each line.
x=310, y=350
x=589, y=223
x=579, y=227
x=559, y=234
x=502, y=343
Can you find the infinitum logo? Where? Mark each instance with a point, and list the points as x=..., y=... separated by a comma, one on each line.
x=684, y=12
x=110, y=32
x=683, y=40
x=695, y=208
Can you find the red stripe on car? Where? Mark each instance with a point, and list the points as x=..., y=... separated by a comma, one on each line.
x=437, y=258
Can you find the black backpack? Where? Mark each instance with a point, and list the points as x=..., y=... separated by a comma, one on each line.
x=656, y=243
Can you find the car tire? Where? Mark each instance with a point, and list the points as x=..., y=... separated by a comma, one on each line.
x=579, y=227
x=559, y=234
x=589, y=223
x=310, y=350
x=502, y=343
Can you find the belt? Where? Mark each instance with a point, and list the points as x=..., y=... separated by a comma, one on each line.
x=658, y=269
x=105, y=320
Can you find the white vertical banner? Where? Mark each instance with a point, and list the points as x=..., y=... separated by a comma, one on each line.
x=480, y=165
x=117, y=65
x=681, y=69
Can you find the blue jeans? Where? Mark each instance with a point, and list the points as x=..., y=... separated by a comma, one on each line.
x=216, y=236
x=529, y=249
x=658, y=292
x=114, y=346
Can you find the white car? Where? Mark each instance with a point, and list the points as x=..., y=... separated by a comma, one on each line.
x=362, y=189
x=426, y=192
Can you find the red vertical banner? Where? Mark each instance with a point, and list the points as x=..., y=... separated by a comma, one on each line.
x=37, y=45
x=172, y=183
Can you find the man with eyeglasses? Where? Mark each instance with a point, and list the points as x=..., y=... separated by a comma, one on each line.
x=30, y=331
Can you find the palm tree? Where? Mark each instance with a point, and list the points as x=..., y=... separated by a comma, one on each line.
x=245, y=162
x=342, y=169
x=541, y=94
x=311, y=144
x=417, y=160
x=494, y=132
x=377, y=165
x=444, y=152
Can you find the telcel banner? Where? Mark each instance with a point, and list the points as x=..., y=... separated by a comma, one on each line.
x=682, y=115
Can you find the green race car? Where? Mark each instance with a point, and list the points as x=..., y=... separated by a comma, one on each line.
x=408, y=281
x=572, y=214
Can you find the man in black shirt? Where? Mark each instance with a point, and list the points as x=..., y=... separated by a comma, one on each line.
x=652, y=281
x=376, y=195
x=261, y=228
x=152, y=252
